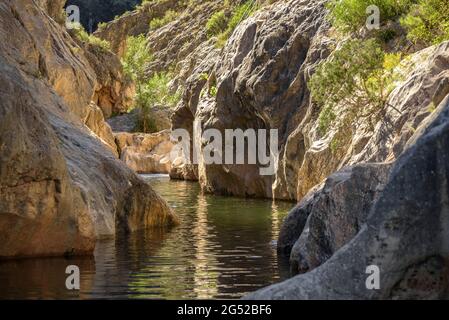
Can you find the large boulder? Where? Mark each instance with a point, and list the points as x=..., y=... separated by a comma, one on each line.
x=405, y=234
x=331, y=216
x=61, y=188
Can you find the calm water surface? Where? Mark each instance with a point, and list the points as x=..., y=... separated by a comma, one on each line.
x=224, y=248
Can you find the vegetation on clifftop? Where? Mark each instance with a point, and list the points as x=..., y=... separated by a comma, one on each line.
x=355, y=81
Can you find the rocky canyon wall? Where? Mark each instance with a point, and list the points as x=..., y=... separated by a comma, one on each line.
x=61, y=185
x=369, y=191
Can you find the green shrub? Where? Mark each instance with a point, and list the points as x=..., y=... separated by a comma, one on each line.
x=386, y=35
x=136, y=57
x=239, y=14
x=169, y=16
x=428, y=22
x=158, y=92
x=152, y=92
x=357, y=79
x=83, y=36
x=350, y=15
x=149, y=91
x=216, y=24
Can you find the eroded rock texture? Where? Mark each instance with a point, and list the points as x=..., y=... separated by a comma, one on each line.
x=61, y=188
x=145, y=153
x=331, y=216
x=261, y=78
x=405, y=234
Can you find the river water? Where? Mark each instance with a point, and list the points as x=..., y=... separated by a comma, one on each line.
x=223, y=248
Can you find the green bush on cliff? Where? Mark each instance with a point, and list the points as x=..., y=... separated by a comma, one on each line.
x=355, y=81
x=428, y=22
x=351, y=15
x=154, y=91
x=150, y=91
x=239, y=14
x=83, y=36
x=169, y=16
x=136, y=57
x=217, y=23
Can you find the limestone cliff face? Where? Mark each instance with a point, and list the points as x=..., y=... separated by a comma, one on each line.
x=49, y=53
x=61, y=188
x=261, y=78
x=113, y=91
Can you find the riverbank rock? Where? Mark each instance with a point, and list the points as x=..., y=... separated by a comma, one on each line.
x=60, y=187
x=330, y=217
x=145, y=153
x=405, y=234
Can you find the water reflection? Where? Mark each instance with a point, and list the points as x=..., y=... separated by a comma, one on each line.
x=223, y=248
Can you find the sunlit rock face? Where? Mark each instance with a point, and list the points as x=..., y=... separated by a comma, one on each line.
x=261, y=78
x=405, y=234
x=145, y=153
x=61, y=187
x=113, y=91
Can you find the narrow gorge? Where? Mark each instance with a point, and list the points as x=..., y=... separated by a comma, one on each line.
x=357, y=93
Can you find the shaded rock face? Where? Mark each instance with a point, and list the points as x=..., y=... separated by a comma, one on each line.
x=60, y=186
x=94, y=120
x=125, y=122
x=405, y=234
x=129, y=122
x=331, y=216
x=145, y=153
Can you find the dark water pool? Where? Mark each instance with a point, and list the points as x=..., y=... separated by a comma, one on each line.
x=224, y=248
